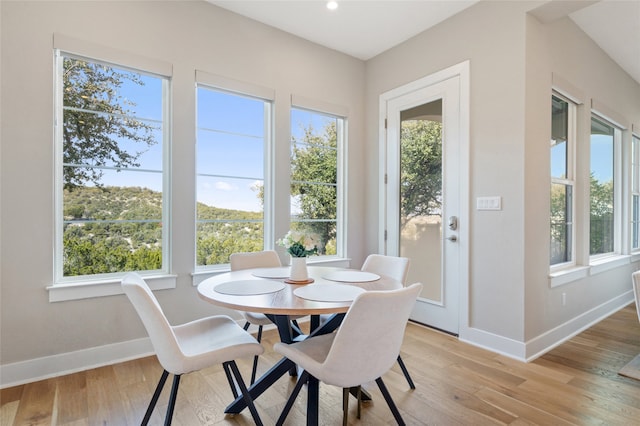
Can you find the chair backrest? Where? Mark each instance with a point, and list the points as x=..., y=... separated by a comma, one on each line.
x=392, y=266
x=636, y=291
x=367, y=343
x=256, y=259
x=160, y=332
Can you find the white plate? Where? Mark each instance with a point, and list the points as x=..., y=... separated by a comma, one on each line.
x=248, y=287
x=351, y=276
x=329, y=292
x=277, y=272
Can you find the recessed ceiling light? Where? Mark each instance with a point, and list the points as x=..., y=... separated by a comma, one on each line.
x=332, y=5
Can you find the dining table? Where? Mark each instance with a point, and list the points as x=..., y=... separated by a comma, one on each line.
x=326, y=297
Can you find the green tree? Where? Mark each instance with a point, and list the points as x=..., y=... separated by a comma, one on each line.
x=96, y=117
x=421, y=169
x=601, y=216
x=314, y=178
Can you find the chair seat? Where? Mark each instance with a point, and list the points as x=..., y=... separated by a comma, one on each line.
x=256, y=318
x=202, y=348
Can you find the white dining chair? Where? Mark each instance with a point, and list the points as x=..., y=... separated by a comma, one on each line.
x=636, y=291
x=192, y=346
x=363, y=349
x=397, y=268
x=248, y=260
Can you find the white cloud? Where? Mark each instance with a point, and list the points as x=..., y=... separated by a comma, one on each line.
x=225, y=186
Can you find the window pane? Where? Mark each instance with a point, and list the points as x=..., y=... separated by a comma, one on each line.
x=112, y=166
x=230, y=175
x=601, y=211
x=561, y=223
x=559, y=137
x=314, y=171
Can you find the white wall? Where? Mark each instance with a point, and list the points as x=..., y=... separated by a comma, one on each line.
x=190, y=35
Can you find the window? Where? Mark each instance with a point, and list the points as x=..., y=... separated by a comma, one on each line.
x=232, y=141
x=111, y=188
x=635, y=193
x=563, y=121
x=602, y=188
x=316, y=144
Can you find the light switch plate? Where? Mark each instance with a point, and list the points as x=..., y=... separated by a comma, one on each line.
x=489, y=203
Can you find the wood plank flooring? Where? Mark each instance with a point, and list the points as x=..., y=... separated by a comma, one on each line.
x=576, y=383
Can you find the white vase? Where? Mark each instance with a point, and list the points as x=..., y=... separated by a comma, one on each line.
x=298, y=269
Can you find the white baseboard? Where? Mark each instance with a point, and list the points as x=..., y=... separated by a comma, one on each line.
x=32, y=370
x=542, y=344
x=538, y=346
x=71, y=362
x=494, y=343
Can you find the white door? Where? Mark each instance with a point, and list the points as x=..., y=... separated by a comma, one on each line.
x=425, y=209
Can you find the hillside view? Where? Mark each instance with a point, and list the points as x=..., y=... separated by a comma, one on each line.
x=114, y=229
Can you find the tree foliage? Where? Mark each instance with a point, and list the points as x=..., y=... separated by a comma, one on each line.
x=314, y=177
x=96, y=118
x=421, y=169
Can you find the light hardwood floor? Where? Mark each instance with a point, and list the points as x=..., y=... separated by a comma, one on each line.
x=457, y=384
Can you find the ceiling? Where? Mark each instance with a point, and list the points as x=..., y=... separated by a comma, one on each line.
x=366, y=28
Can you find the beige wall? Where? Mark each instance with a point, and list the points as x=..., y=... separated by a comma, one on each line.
x=190, y=35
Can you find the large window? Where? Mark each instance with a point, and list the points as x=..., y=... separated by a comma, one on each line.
x=232, y=142
x=563, y=119
x=111, y=190
x=316, y=145
x=602, y=236
x=635, y=193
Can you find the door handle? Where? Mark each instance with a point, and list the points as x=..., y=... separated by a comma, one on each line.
x=452, y=238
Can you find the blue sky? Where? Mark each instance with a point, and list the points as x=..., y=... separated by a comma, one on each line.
x=230, y=138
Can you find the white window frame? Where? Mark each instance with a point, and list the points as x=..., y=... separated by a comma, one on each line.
x=239, y=88
x=570, y=179
x=88, y=286
x=618, y=201
x=341, y=114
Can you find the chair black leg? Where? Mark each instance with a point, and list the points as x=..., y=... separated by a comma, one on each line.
x=246, y=325
x=232, y=384
x=245, y=393
x=292, y=398
x=390, y=403
x=172, y=400
x=345, y=406
x=154, y=399
x=254, y=370
x=406, y=373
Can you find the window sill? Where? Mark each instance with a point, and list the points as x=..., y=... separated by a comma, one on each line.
x=607, y=263
x=597, y=266
x=110, y=287
x=565, y=276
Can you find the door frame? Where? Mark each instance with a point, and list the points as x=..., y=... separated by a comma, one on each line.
x=462, y=71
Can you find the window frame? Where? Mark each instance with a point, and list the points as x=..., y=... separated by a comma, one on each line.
x=247, y=90
x=570, y=180
x=618, y=201
x=341, y=115
x=87, y=286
